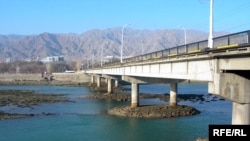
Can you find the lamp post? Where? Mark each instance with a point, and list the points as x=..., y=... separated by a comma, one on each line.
x=102, y=55
x=185, y=37
x=92, y=61
x=142, y=48
x=210, y=38
x=87, y=63
x=122, y=41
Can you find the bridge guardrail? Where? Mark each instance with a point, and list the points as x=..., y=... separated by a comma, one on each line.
x=221, y=42
x=226, y=41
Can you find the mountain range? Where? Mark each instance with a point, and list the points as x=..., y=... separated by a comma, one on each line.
x=94, y=43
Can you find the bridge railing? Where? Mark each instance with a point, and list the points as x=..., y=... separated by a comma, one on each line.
x=226, y=41
x=222, y=42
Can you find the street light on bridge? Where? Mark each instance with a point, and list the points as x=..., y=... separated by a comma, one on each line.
x=185, y=37
x=210, y=38
x=122, y=40
x=102, y=55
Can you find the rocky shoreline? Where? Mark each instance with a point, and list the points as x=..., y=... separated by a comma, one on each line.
x=4, y=115
x=25, y=99
x=29, y=99
x=154, y=111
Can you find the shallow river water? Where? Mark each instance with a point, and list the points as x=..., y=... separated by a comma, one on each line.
x=86, y=119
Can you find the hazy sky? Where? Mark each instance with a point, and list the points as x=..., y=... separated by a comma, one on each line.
x=27, y=17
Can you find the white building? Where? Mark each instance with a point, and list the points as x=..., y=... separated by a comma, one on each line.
x=52, y=59
x=8, y=60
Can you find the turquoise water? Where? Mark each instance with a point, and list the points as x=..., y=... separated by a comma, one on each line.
x=86, y=120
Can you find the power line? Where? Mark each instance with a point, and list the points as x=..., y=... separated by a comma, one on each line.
x=226, y=17
x=241, y=27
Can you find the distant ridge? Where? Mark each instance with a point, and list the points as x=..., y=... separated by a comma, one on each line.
x=78, y=47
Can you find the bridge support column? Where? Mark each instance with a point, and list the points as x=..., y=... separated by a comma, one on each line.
x=134, y=89
x=241, y=113
x=116, y=83
x=109, y=81
x=134, y=95
x=173, y=94
x=98, y=81
x=92, y=79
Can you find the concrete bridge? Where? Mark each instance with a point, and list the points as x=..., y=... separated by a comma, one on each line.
x=225, y=67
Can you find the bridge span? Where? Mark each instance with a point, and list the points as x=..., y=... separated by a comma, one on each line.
x=225, y=67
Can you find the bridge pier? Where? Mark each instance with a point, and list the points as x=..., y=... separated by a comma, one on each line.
x=134, y=95
x=98, y=81
x=116, y=83
x=173, y=93
x=92, y=79
x=135, y=81
x=241, y=113
x=134, y=89
x=109, y=81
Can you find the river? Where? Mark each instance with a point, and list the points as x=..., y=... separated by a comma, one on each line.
x=86, y=119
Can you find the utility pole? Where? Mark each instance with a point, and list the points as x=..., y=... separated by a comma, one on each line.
x=102, y=55
x=185, y=37
x=92, y=60
x=122, y=41
x=142, y=47
x=210, y=38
